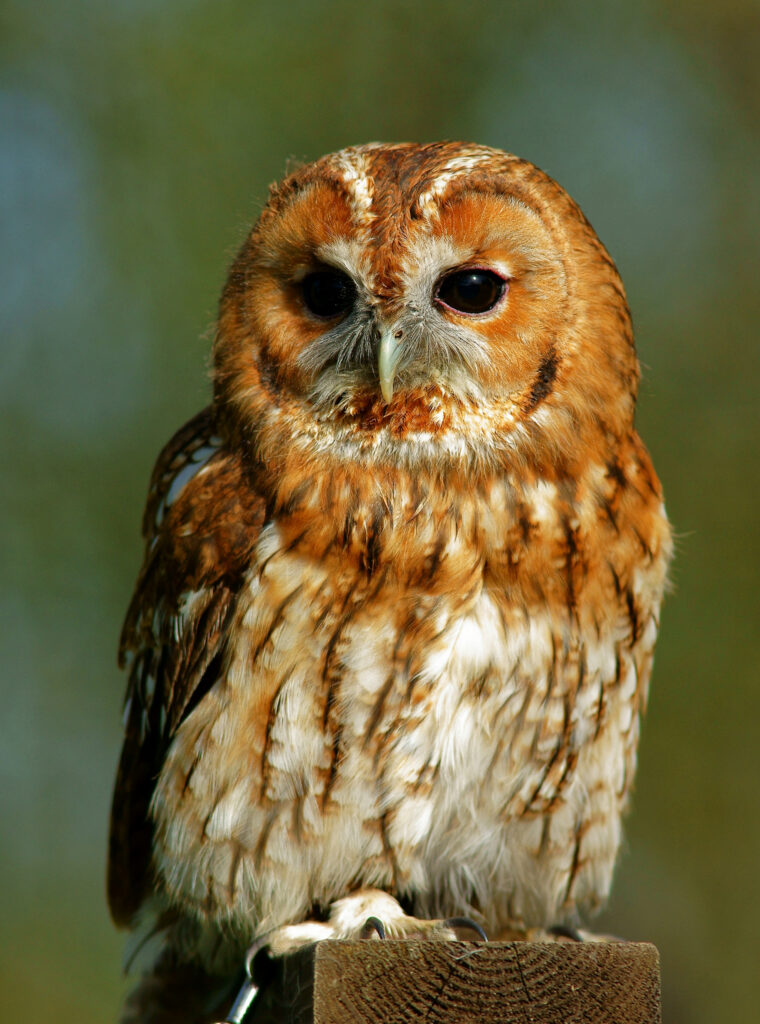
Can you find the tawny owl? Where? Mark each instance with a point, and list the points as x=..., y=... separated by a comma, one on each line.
x=394, y=628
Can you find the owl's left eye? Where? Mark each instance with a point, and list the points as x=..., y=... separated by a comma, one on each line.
x=328, y=293
x=472, y=290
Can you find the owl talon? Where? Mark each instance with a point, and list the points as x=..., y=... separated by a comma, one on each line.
x=372, y=924
x=466, y=922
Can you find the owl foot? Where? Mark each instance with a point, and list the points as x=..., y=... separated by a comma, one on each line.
x=362, y=915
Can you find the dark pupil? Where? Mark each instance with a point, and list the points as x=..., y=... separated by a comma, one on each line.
x=328, y=292
x=471, y=291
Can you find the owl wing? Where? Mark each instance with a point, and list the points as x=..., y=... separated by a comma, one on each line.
x=201, y=524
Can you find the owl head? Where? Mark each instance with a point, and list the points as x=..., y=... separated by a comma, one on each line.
x=411, y=304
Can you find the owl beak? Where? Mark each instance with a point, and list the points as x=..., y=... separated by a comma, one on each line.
x=388, y=356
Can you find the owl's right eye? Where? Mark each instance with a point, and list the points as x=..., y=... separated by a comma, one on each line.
x=328, y=293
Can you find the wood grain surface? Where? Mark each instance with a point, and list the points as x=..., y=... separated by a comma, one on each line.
x=402, y=982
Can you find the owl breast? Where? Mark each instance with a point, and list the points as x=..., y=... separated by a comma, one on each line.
x=443, y=741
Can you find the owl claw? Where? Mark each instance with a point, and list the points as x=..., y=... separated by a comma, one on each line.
x=372, y=924
x=466, y=922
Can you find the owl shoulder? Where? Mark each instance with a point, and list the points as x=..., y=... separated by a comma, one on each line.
x=202, y=518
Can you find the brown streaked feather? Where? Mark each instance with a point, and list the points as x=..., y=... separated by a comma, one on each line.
x=201, y=545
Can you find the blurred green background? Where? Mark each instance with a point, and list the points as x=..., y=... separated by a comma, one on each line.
x=137, y=140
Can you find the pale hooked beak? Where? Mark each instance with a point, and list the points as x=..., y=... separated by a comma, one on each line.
x=388, y=356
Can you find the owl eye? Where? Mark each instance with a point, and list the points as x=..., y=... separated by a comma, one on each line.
x=328, y=293
x=471, y=291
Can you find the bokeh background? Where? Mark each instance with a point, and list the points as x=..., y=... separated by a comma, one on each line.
x=137, y=140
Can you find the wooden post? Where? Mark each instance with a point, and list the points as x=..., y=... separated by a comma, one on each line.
x=408, y=981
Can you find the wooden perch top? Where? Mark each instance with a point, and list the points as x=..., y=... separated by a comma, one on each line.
x=403, y=982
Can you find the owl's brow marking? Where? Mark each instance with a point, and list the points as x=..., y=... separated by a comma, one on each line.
x=354, y=171
x=426, y=201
